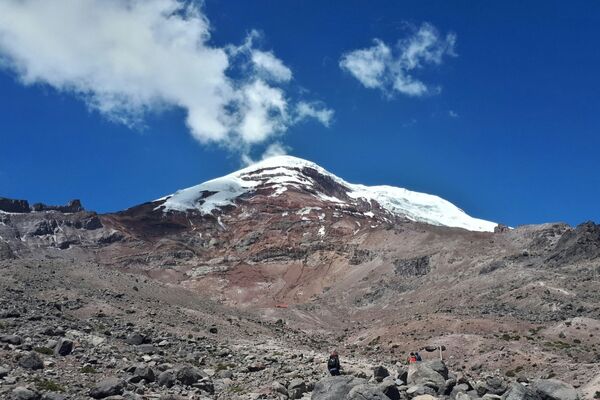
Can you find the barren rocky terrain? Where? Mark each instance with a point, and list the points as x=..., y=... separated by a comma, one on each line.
x=248, y=300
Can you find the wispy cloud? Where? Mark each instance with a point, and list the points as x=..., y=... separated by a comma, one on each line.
x=314, y=110
x=128, y=58
x=272, y=150
x=391, y=69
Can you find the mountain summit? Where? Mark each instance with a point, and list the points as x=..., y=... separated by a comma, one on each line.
x=284, y=176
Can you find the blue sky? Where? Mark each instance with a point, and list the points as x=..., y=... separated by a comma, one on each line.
x=506, y=127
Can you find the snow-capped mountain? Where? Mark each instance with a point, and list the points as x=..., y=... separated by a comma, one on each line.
x=281, y=175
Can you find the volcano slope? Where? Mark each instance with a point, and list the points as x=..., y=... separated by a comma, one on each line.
x=308, y=259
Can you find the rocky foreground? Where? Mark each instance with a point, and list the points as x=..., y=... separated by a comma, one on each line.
x=83, y=331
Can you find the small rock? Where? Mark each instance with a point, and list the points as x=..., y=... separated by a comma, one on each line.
x=136, y=339
x=64, y=347
x=4, y=372
x=379, y=373
x=166, y=378
x=255, y=367
x=279, y=388
x=426, y=397
x=53, y=396
x=491, y=385
x=146, y=349
x=188, y=375
x=11, y=339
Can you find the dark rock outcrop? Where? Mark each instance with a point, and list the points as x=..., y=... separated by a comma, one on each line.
x=412, y=267
x=6, y=252
x=581, y=243
x=72, y=206
x=14, y=206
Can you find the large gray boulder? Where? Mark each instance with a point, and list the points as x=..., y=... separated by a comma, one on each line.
x=189, y=375
x=31, y=360
x=23, y=393
x=366, y=392
x=108, y=387
x=335, y=387
x=389, y=388
x=296, y=388
x=553, y=389
x=491, y=385
x=439, y=367
x=425, y=375
x=516, y=391
x=143, y=372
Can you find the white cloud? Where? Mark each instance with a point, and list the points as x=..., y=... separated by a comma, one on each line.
x=272, y=150
x=265, y=62
x=275, y=149
x=264, y=112
x=389, y=69
x=314, y=110
x=127, y=58
x=453, y=114
x=368, y=65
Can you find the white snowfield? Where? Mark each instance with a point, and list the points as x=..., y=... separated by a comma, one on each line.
x=282, y=172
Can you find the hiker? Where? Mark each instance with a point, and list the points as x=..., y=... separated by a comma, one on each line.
x=412, y=358
x=333, y=364
x=418, y=356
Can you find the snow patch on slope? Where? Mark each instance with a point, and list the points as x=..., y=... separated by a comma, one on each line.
x=208, y=196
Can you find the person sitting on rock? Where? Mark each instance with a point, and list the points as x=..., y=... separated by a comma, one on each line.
x=412, y=358
x=418, y=356
x=333, y=364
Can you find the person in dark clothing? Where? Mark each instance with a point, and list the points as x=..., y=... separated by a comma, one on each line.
x=418, y=356
x=333, y=364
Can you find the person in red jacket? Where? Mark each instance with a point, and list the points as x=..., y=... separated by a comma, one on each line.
x=412, y=358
